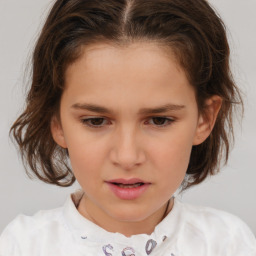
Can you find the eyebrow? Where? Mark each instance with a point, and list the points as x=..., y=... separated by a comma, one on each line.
x=161, y=109
x=92, y=108
x=144, y=111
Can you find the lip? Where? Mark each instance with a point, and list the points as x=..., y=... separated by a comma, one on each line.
x=128, y=193
x=127, y=181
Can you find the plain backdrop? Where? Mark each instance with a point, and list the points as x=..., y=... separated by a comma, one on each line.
x=233, y=190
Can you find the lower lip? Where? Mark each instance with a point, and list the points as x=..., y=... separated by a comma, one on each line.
x=128, y=193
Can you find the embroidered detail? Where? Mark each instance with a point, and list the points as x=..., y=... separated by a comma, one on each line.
x=128, y=251
x=164, y=238
x=105, y=247
x=151, y=244
x=84, y=237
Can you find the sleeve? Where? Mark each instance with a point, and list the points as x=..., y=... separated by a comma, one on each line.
x=243, y=241
x=8, y=245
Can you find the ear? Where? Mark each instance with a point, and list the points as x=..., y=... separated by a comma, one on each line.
x=57, y=132
x=207, y=119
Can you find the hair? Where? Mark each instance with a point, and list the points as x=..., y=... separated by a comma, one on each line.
x=191, y=29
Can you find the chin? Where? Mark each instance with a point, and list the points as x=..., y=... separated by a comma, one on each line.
x=129, y=214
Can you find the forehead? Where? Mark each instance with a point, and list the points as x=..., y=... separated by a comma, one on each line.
x=145, y=48
x=148, y=58
x=141, y=73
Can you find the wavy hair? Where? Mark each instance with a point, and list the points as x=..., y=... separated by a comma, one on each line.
x=190, y=28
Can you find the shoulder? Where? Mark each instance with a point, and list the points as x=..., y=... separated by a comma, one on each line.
x=30, y=224
x=39, y=219
x=25, y=230
x=218, y=229
x=211, y=216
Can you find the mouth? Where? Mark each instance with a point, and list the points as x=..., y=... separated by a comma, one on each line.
x=128, y=183
x=128, y=189
x=135, y=185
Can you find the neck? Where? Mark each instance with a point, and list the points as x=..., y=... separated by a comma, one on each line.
x=127, y=228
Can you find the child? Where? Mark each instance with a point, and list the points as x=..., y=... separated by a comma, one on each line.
x=134, y=99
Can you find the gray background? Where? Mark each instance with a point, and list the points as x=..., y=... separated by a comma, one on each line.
x=233, y=190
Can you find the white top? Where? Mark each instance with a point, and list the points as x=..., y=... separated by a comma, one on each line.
x=186, y=231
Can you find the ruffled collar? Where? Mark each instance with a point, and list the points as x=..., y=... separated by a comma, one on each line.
x=88, y=232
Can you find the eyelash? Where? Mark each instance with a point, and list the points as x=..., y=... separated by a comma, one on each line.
x=87, y=121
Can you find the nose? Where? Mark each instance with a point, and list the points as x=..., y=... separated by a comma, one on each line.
x=127, y=151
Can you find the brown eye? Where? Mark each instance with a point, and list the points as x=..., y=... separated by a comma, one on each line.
x=95, y=122
x=160, y=121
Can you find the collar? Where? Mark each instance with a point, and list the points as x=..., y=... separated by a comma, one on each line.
x=85, y=230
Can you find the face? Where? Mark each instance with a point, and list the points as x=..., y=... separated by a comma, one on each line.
x=129, y=119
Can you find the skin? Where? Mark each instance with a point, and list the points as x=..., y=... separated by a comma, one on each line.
x=127, y=142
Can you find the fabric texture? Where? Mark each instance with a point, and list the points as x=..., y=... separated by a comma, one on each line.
x=187, y=230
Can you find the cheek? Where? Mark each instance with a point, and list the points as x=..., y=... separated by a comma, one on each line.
x=172, y=155
x=86, y=156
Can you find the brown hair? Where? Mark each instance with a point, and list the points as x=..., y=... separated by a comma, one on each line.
x=190, y=28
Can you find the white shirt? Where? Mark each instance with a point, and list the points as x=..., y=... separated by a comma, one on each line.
x=186, y=231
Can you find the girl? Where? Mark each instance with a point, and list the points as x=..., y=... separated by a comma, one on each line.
x=134, y=99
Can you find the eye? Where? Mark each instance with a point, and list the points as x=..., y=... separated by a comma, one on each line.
x=94, y=122
x=160, y=121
